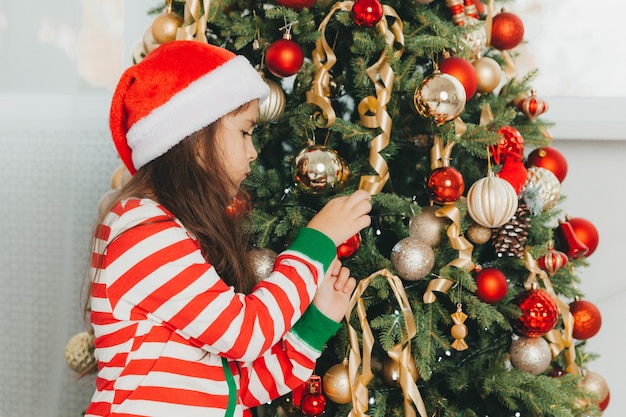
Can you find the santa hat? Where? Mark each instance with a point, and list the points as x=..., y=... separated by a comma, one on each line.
x=177, y=89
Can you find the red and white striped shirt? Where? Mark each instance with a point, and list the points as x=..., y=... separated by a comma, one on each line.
x=172, y=339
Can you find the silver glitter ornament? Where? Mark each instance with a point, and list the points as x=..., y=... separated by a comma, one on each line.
x=530, y=354
x=427, y=226
x=412, y=258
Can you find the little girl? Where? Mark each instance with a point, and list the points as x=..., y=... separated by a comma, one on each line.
x=181, y=326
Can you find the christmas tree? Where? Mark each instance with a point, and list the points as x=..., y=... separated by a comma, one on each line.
x=467, y=302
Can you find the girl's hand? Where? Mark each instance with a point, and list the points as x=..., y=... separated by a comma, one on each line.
x=343, y=217
x=333, y=295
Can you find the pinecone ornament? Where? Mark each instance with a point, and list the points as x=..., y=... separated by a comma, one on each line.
x=510, y=238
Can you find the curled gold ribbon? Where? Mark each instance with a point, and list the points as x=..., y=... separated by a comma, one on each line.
x=558, y=341
x=324, y=59
x=400, y=352
x=381, y=74
x=440, y=155
x=457, y=240
x=195, y=25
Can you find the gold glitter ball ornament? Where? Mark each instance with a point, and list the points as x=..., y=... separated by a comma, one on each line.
x=262, y=261
x=530, y=354
x=165, y=26
x=478, y=234
x=79, y=352
x=336, y=383
x=412, y=258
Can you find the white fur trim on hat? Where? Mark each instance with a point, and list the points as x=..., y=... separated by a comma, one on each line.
x=201, y=103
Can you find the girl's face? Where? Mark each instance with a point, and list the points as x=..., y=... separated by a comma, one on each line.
x=234, y=143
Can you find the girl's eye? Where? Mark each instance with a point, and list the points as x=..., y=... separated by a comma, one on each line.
x=244, y=133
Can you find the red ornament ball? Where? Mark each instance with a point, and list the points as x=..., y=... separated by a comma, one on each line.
x=550, y=159
x=491, y=285
x=539, y=313
x=297, y=4
x=284, y=57
x=587, y=319
x=586, y=232
x=367, y=13
x=463, y=71
x=507, y=31
x=445, y=185
x=313, y=404
x=349, y=247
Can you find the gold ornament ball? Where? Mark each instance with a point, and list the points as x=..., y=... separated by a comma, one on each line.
x=596, y=384
x=478, y=234
x=273, y=107
x=427, y=226
x=79, y=352
x=391, y=371
x=318, y=169
x=165, y=26
x=547, y=185
x=489, y=74
x=149, y=43
x=336, y=384
x=412, y=258
x=530, y=354
x=439, y=98
x=262, y=261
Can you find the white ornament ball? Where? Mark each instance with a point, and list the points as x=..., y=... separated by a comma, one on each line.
x=427, y=226
x=491, y=201
x=530, y=354
x=412, y=258
x=79, y=352
x=273, y=107
x=546, y=187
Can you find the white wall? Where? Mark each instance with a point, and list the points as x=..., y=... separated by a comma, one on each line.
x=59, y=62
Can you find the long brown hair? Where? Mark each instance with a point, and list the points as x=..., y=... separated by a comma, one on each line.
x=198, y=196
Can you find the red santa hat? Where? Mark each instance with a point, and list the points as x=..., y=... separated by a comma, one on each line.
x=177, y=89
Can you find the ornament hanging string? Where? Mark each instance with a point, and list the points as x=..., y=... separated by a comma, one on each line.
x=400, y=352
x=558, y=341
x=195, y=25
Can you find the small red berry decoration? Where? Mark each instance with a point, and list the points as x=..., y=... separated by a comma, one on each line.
x=349, y=247
x=507, y=31
x=284, y=57
x=491, y=285
x=539, y=313
x=445, y=185
x=587, y=319
x=367, y=13
x=462, y=70
x=297, y=4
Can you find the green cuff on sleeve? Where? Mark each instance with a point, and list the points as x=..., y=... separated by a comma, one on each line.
x=314, y=328
x=316, y=245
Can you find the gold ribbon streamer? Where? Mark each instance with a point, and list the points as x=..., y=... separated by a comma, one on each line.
x=440, y=155
x=373, y=110
x=438, y=284
x=457, y=240
x=194, y=26
x=558, y=341
x=324, y=59
x=400, y=354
